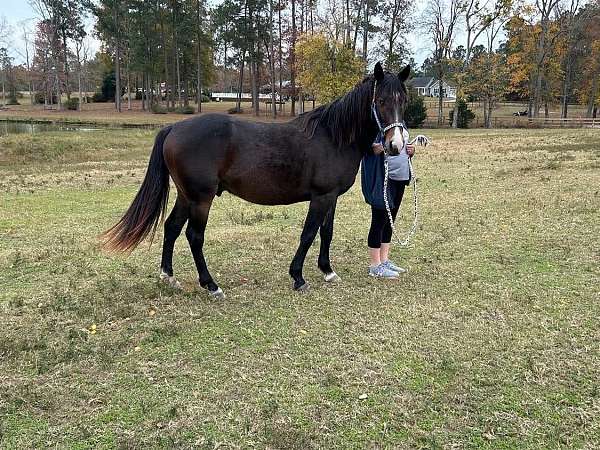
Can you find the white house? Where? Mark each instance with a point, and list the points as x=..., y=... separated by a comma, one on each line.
x=429, y=87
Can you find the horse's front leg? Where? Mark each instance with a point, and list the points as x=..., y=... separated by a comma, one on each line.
x=317, y=210
x=326, y=232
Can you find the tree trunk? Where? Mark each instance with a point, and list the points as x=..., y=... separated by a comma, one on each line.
x=565, y=93
x=280, y=60
x=592, y=95
x=357, y=25
x=293, y=60
x=537, y=93
x=117, y=59
x=198, y=56
x=241, y=83
x=128, y=84
x=255, y=77
x=440, y=100
x=272, y=61
x=365, y=42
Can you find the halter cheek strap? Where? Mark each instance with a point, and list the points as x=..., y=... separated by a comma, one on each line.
x=385, y=129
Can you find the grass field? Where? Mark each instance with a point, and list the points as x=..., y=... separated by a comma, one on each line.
x=492, y=340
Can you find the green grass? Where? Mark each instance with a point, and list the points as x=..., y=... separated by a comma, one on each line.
x=490, y=340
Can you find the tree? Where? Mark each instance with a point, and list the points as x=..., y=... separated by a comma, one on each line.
x=396, y=14
x=111, y=15
x=488, y=79
x=416, y=110
x=440, y=19
x=478, y=17
x=327, y=69
x=26, y=36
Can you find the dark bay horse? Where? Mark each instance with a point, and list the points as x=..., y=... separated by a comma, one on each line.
x=313, y=158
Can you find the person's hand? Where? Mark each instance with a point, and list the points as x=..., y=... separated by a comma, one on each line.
x=410, y=150
x=377, y=148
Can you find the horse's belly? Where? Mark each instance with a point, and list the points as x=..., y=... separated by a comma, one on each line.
x=266, y=192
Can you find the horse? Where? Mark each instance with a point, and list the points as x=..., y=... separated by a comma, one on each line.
x=314, y=157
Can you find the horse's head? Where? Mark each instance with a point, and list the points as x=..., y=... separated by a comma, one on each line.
x=389, y=102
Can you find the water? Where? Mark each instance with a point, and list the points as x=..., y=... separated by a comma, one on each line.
x=14, y=127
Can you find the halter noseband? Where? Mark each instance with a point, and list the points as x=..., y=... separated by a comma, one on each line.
x=385, y=129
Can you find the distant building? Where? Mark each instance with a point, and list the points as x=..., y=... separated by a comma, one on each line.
x=429, y=87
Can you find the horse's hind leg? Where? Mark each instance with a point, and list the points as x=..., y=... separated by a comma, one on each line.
x=195, y=235
x=173, y=226
x=319, y=206
x=326, y=233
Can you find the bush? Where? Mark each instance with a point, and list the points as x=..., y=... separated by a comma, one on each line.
x=465, y=115
x=72, y=104
x=184, y=110
x=40, y=96
x=98, y=97
x=12, y=101
x=158, y=109
x=139, y=95
x=234, y=110
x=205, y=98
x=416, y=110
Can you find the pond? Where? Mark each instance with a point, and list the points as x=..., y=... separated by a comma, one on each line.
x=20, y=127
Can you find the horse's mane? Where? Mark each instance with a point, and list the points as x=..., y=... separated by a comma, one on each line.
x=346, y=118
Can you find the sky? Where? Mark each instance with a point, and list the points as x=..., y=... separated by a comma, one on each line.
x=15, y=11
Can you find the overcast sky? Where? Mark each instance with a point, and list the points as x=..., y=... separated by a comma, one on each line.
x=16, y=11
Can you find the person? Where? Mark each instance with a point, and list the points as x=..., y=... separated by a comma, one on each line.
x=380, y=231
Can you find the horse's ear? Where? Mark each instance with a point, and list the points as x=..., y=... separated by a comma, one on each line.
x=378, y=72
x=404, y=73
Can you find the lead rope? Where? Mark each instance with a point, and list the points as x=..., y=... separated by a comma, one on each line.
x=422, y=141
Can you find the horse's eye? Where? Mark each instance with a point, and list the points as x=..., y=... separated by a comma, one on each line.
x=381, y=101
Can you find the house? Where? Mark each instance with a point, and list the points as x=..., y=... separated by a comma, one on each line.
x=429, y=87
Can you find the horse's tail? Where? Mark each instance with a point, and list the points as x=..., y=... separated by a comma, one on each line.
x=147, y=207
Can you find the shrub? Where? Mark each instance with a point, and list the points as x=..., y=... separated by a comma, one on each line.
x=234, y=110
x=40, y=96
x=139, y=95
x=185, y=110
x=98, y=97
x=108, y=87
x=72, y=103
x=465, y=115
x=12, y=101
x=205, y=98
x=416, y=110
x=158, y=109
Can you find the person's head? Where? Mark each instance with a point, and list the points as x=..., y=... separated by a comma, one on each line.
x=390, y=100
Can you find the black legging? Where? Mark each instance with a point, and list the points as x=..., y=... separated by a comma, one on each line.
x=381, y=230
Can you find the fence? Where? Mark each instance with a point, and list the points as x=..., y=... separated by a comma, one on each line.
x=523, y=122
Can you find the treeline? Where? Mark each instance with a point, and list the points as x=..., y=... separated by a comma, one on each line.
x=165, y=52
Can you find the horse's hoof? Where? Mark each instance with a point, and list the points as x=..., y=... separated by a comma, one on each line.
x=303, y=289
x=332, y=277
x=170, y=281
x=217, y=295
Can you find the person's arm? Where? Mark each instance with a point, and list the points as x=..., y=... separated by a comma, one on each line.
x=410, y=150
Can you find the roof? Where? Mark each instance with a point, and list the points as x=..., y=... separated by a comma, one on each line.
x=419, y=82
x=436, y=83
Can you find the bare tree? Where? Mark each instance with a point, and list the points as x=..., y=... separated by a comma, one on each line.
x=478, y=18
x=293, y=59
x=440, y=20
x=272, y=60
x=27, y=56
